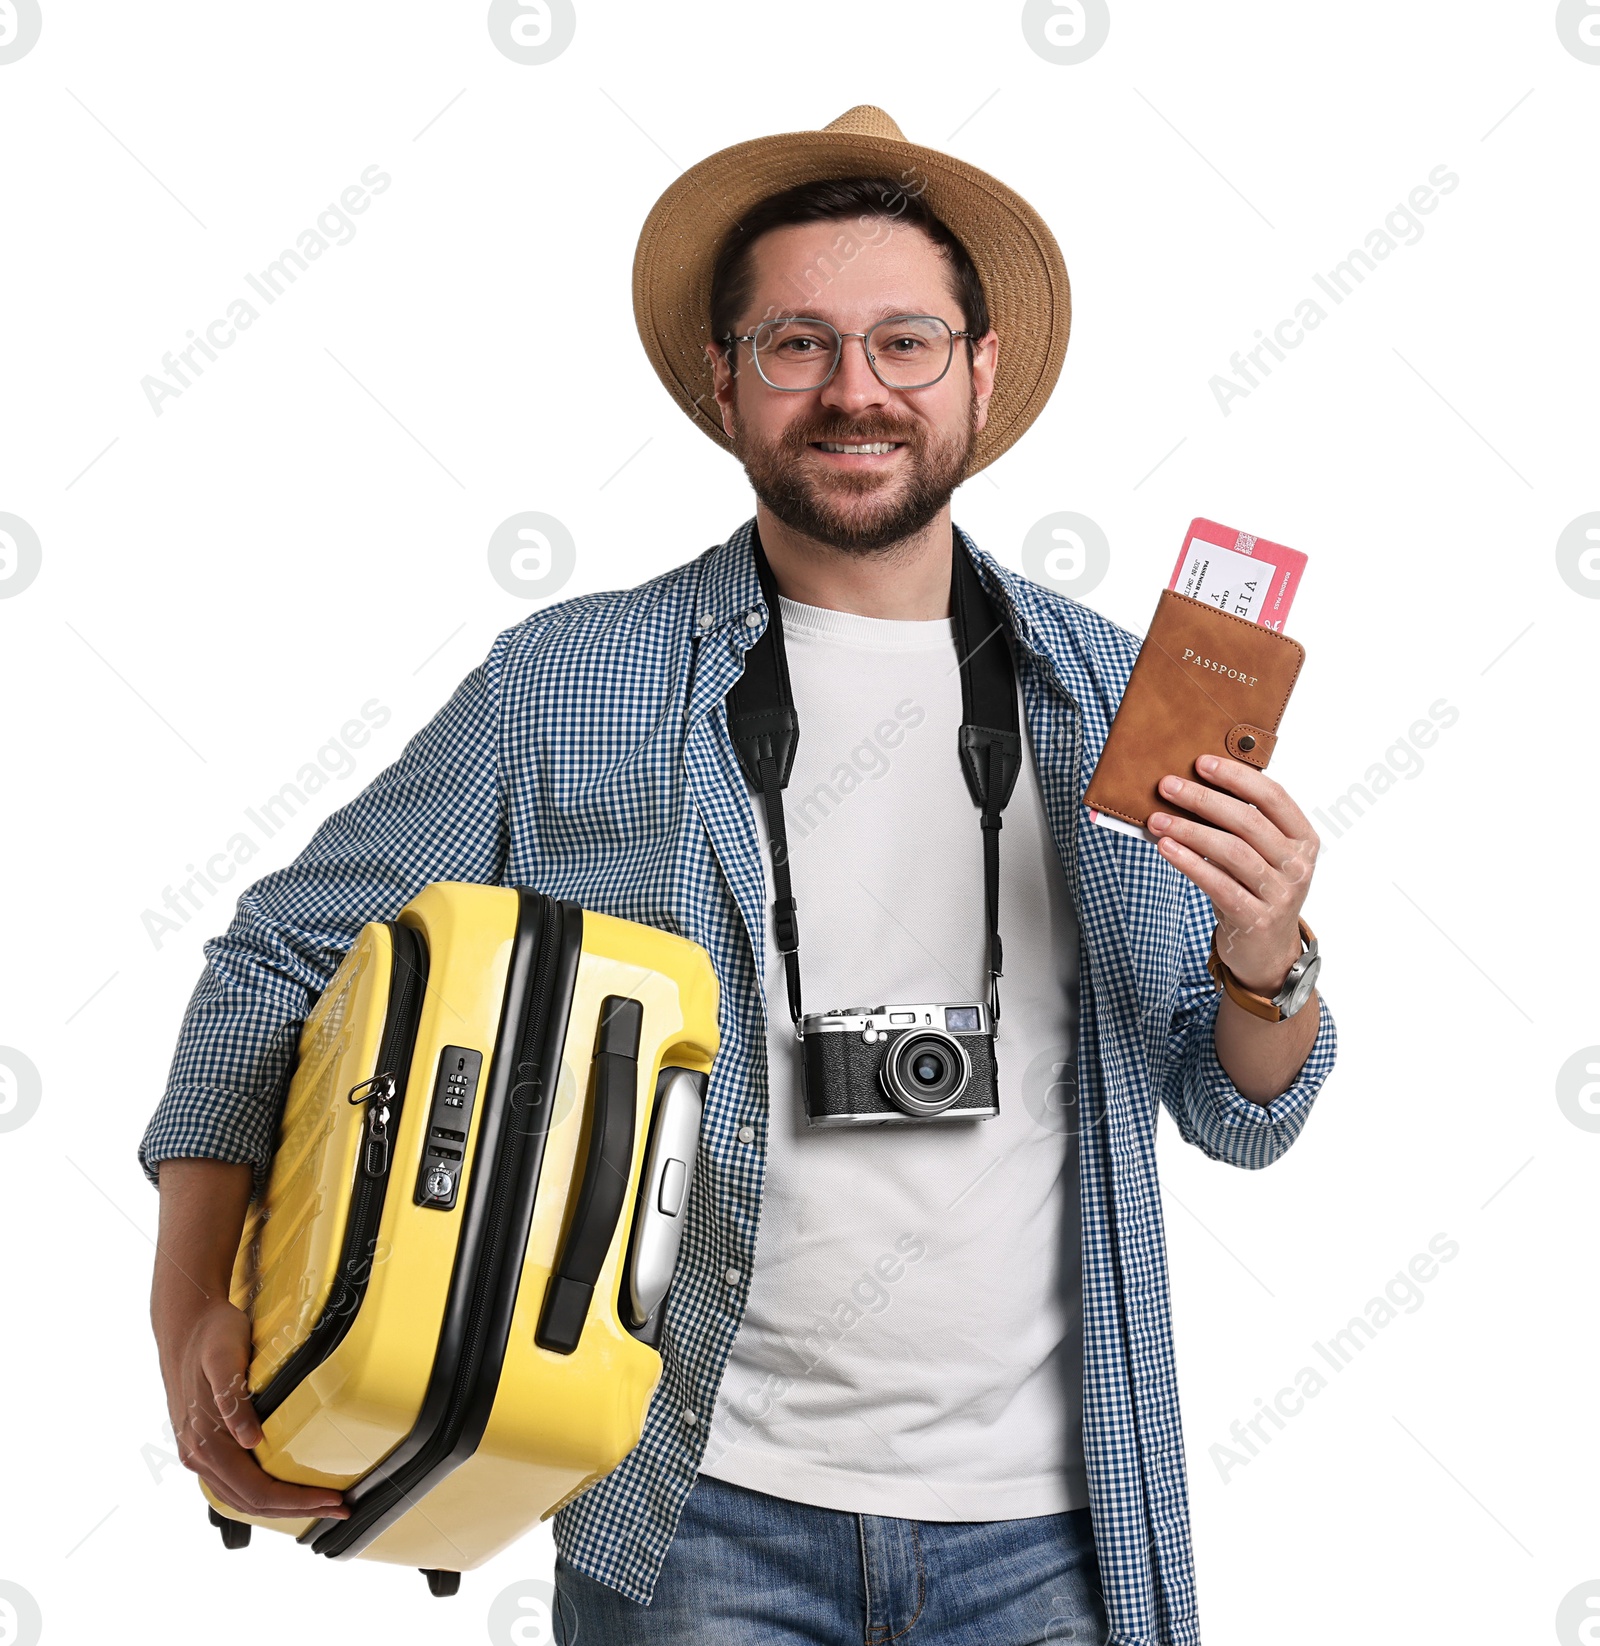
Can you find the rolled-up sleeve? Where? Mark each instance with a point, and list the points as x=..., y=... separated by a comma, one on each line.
x=1210, y=1111
x=437, y=813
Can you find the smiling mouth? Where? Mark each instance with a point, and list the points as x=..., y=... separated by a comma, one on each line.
x=866, y=448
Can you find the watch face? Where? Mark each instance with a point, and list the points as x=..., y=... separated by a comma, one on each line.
x=1301, y=991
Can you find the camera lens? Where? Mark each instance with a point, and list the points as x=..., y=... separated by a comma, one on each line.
x=924, y=1072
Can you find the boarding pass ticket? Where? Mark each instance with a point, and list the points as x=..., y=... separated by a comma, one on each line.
x=1237, y=573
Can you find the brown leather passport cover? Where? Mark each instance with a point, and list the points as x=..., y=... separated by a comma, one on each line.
x=1204, y=682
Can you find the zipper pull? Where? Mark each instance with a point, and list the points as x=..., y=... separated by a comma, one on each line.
x=375, y=1156
x=375, y=1151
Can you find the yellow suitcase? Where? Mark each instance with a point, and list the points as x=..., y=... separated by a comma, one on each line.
x=457, y=1273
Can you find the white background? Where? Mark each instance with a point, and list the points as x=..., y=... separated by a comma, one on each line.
x=305, y=529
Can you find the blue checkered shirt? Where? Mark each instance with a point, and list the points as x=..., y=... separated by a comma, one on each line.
x=589, y=756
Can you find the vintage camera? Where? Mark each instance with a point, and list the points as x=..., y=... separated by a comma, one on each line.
x=881, y=1065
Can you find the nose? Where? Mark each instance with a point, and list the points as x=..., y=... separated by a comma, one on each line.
x=854, y=386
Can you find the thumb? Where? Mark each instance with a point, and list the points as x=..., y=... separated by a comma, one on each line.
x=226, y=1376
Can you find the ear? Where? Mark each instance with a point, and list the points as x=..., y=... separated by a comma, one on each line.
x=723, y=386
x=985, y=361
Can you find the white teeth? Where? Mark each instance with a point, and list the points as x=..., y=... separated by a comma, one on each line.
x=877, y=446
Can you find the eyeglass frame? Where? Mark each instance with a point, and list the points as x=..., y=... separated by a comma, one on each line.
x=838, y=353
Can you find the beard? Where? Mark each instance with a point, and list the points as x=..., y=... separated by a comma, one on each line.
x=858, y=513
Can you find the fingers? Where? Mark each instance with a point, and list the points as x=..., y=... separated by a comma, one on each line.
x=1226, y=851
x=235, y=1476
x=230, y=1395
x=244, y=1485
x=1258, y=790
x=1233, y=902
x=1261, y=813
x=1234, y=816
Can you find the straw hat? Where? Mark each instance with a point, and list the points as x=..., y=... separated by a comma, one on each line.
x=1024, y=277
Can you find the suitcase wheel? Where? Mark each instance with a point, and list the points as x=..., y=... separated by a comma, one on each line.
x=441, y=1583
x=235, y=1533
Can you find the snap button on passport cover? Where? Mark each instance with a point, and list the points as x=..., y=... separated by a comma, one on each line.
x=1204, y=682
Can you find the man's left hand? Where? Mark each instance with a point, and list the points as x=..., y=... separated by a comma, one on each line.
x=1253, y=857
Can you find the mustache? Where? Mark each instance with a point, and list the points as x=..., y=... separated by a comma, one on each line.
x=860, y=434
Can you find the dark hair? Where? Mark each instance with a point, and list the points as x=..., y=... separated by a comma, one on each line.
x=827, y=200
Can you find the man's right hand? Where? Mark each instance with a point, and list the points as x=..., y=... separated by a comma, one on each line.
x=204, y=1343
x=215, y=1424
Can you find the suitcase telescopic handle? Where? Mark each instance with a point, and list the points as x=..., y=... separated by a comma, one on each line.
x=615, y=1080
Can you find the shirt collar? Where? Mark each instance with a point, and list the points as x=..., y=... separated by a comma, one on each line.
x=730, y=590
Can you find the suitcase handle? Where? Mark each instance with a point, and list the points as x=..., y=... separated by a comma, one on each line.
x=663, y=1202
x=615, y=1078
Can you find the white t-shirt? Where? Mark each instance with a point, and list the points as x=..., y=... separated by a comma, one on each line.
x=912, y=1340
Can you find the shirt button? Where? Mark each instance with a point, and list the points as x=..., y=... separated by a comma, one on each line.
x=752, y=620
x=689, y=1419
x=707, y=619
x=747, y=1134
x=732, y=1277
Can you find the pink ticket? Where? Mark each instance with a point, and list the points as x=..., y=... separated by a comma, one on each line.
x=1238, y=573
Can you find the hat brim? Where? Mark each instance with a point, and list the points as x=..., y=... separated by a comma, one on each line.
x=1024, y=275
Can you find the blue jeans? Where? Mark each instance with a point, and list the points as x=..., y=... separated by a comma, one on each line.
x=746, y=1569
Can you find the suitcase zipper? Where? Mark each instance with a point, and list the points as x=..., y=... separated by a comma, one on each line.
x=407, y=984
x=385, y=1091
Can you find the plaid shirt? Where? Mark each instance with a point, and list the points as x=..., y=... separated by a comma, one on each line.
x=589, y=756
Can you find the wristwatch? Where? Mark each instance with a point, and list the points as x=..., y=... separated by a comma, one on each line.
x=1297, y=986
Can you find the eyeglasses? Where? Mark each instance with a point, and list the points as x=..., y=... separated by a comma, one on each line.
x=906, y=351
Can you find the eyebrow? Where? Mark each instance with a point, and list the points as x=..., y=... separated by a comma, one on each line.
x=887, y=312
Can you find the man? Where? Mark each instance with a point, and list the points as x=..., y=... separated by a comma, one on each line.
x=936, y=1401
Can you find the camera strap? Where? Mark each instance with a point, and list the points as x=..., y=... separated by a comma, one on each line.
x=766, y=730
